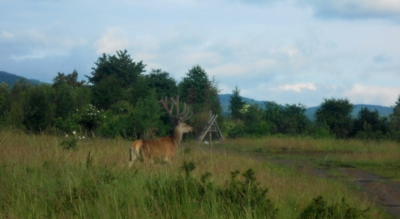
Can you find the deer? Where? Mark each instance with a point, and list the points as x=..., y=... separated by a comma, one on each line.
x=164, y=148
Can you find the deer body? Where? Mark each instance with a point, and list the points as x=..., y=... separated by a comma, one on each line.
x=164, y=148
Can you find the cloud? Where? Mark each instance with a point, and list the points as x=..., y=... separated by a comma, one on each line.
x=351, y=9
x=382, y=58
x=372, y=94
x=298, y=87
x=34, y=44
x=113, y=40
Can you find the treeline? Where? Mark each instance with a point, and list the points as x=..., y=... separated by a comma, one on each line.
x=117, y=100
x=332, y=119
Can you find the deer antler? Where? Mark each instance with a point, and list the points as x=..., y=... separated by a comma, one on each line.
x=179, y=116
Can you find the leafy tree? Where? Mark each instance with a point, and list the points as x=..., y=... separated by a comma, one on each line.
x=107, y=92
x=124, y=120
x=18, y=98
x=369, y=124
x=236, y=104
x=163, y=84
x=253, y=125
x=395, y=120
x=294, y=120
x=202, y=94
x=116, y=78
x=288, y=119
x=64, y=101
x=39, y=110
x=4, y=99
x=336, y=113
x=70, y=79
x=193, y=87
x=273, y=114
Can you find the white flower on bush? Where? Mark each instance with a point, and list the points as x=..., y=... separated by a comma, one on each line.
x=90, y=116
x=244, y=109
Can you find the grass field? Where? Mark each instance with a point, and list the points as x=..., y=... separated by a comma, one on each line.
x=39, y=179
x=381, y=157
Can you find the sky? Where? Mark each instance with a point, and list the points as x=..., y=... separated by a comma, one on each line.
x=287, y=51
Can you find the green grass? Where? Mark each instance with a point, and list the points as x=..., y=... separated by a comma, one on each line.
x=40, y=179
x=382, y=158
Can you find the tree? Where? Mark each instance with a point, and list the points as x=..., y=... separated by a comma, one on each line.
x=395, y=120
x=288, y=119
x=370, y=124
x=18, y=98
x=116, y=78
x=163, y=84
x=336, y=113
x=70, y=79
x=202, y=95
x=273, y=115
x=39, y=110
x=66, y=94
x=253, y=125
x=193, y=87
x=236, y=104
x=294, y=120
x=4, y=100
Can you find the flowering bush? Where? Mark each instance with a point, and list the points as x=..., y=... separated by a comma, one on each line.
x=71, y=143
x=89, y=117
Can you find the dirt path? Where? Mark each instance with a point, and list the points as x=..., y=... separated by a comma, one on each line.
x=378, y=189
x=382, y=191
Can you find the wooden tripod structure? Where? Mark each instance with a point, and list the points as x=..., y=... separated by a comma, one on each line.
x=211, y=126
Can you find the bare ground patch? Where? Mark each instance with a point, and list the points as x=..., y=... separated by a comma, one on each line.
x=380, y=190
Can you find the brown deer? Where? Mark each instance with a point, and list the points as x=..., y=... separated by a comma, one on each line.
x=164, y=148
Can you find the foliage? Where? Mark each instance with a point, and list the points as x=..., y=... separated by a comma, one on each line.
x=369, y=125
x=39, y=112
x=252, y=126
x=89, y=117
x=319, y=209
x=116, y=78
x=163, y=84
x=319, y=130
x=119, y=100
x=194, y=85
x=395, y=120
x=236, y=104
x=237, y=199
x=336, y=113
x=131, y=122
x=4, y=100
x=70, y=79
x=69, y=144
x=201, y=94
x=288, y=119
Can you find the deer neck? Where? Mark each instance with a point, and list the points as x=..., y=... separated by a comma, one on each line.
x=177, y=135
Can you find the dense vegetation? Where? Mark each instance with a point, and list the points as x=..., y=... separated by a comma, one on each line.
x=119, y=99
x=332, y=119
x=42, y=178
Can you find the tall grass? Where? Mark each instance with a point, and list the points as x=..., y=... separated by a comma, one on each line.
x=40, y=179
x=354, y=151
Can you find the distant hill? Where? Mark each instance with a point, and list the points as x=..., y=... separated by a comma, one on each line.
x=11, y=79
x=310, y=112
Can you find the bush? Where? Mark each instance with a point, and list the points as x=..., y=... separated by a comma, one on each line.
x=319, y=209
x=237, y=199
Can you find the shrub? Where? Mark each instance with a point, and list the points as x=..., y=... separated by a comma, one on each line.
x=319, y=209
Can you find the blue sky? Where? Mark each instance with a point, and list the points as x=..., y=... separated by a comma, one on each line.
x=287, y=51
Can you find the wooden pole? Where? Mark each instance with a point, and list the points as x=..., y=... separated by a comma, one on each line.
x=211, y=132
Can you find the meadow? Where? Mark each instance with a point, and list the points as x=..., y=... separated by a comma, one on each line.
x=39, y=178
